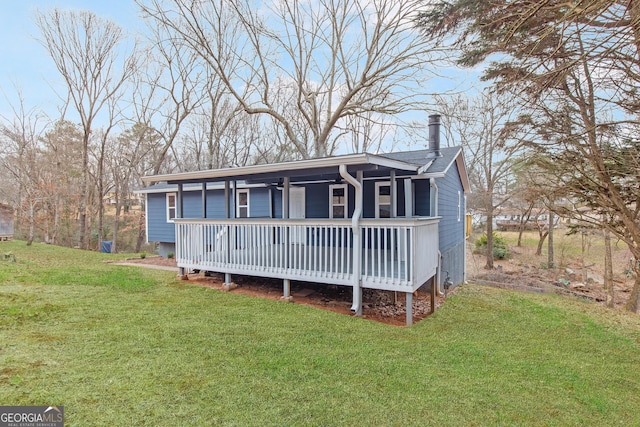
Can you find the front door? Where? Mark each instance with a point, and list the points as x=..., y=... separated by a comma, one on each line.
x=297, y=210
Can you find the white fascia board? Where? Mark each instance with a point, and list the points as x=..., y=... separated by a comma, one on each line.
x=462, y=170
x=347, y=160
x=191, y=187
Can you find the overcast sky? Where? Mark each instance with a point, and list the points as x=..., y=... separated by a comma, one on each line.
x=25, y=64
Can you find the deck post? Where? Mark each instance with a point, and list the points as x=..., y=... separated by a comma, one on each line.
x=287, y=290
x=433, y=295
x=409, y=305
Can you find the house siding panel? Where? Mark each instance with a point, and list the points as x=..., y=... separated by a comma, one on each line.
x=160, y=230
x=422, y=199
x=452, y=222
x=215, y=204
x=452, y=264
x=192, y=204
x=277, y=203
x=259, y=204
x=317, y=200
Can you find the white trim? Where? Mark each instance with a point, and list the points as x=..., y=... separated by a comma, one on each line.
x=345, y=203
x=169, y=208
x=377, y=194
x=459, y=204
x=238, y=205
x=146, y=218
x=347, y=160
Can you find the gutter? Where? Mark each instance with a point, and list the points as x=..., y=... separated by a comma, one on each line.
x=434, y=212
x=356, y=307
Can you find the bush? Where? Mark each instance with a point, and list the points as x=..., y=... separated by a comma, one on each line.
x=143, y=255
x=170, y=255
x=500, y=249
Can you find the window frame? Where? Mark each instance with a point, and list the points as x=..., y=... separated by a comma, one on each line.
x=345, y=203
x=239, y=206
x=173, y=208
x=377, y=198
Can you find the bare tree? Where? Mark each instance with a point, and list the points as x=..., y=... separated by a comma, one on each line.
x=492, y=150
x=577, y=65
x=88, y=52
x=333, y=59
x=19, y=159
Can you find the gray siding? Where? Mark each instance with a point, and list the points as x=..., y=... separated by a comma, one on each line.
x=215, y=204
x=452, y=222
x=452, y=263
x=422, y=199
x=277, y=203
x=259, y=204
x=317, y=200
x=160, y=230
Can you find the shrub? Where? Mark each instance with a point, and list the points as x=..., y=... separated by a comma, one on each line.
x=170, y=255
x=500, y=249
x=143, y=255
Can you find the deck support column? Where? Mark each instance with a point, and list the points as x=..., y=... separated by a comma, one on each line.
x=434, y=283
x=228, y=284
x=409, y=305
x=286, y=283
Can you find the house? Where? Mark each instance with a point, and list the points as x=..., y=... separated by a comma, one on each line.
x=6, y=222
x=384, y=221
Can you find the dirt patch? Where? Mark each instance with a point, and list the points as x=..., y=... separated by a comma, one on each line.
x=153, y=260
x=528, y=272
x=380, y=306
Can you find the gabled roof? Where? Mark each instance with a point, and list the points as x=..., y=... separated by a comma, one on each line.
x=436, y=167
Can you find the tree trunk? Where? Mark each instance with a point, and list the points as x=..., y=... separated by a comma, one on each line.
x=141, y=231
x=543, y=237
x=489, y=264
x=520, y=235
x=633, y=303
x=608, y=268
x=116, y=223
x=550, y=258
x=32, y=219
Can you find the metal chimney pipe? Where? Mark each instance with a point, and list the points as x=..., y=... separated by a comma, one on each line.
x=434, y=135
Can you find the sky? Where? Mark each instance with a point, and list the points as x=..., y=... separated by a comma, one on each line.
x=25, y=64
x=26, y=68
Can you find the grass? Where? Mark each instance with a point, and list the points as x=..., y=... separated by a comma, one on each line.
x=120, y=346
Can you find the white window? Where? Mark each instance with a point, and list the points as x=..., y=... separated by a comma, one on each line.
x=383, y=199
x=242, y=204
x=459, y=206
x=172, y=201
x=338, y=201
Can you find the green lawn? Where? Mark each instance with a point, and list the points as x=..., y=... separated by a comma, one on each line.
x=120, y=346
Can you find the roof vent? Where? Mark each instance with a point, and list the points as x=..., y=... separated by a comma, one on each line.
x=434, y=136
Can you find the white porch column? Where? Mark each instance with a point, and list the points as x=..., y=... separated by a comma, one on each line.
x=204, y=200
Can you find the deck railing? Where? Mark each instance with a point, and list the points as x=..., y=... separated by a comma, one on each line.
x=396, y=254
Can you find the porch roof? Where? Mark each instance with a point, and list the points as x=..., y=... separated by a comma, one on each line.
x=298, y=168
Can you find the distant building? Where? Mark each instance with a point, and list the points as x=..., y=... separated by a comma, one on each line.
x=6, y=222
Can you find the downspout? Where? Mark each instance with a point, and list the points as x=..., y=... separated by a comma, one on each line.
x=356, y=307
x=434, y=212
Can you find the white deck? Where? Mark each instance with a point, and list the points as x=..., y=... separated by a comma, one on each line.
x=395, y=254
